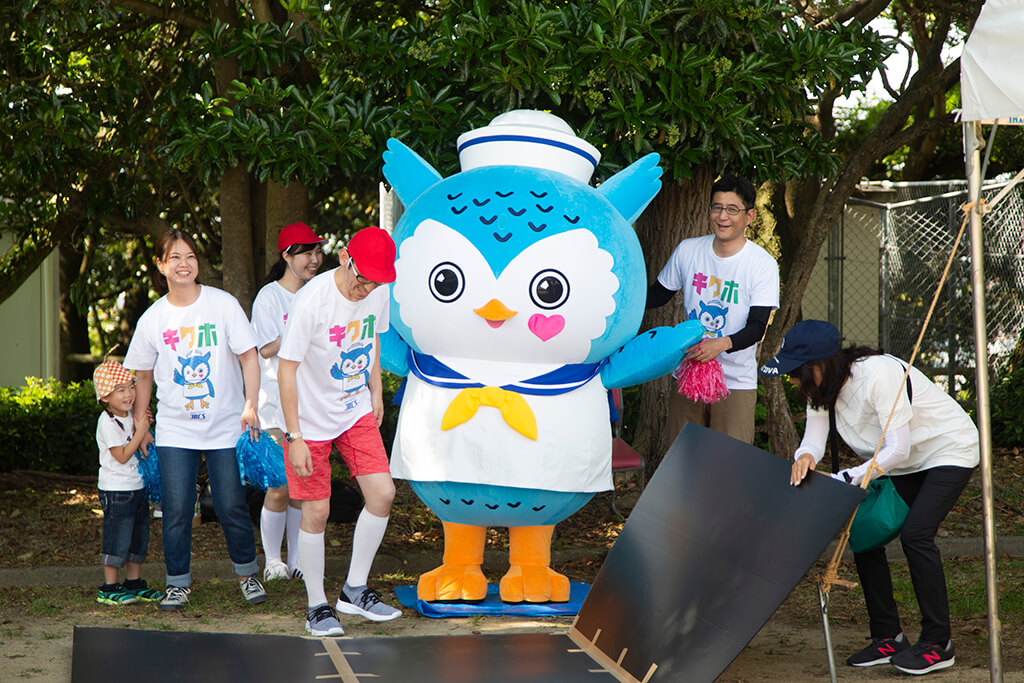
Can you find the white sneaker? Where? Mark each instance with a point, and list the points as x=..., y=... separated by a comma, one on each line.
x=252, y=591
x=176, y=598
x=368, y=604
x=275, y=569
x=321, y=622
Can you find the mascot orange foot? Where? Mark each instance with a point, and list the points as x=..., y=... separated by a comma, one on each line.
x=529, y=578
x=459, y=577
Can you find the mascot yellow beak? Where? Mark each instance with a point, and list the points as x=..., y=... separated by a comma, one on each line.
x=494, y=312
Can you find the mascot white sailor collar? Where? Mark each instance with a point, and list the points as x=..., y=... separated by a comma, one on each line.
x=519, y=292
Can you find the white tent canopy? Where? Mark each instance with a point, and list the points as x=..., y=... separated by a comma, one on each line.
x=991, y=84
x=992, y=92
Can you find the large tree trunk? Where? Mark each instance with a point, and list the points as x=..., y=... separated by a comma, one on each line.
x=286, y=204
x=236, y=235
x=74, y=327
x=236, y=224
x=679, y=211
x=792, y=204
x=136, y=301
x=922, y=150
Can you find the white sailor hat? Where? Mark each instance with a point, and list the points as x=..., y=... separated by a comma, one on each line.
x=525, y=137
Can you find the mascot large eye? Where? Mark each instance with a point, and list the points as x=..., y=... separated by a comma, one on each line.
x=549, y=289
x=447, y=282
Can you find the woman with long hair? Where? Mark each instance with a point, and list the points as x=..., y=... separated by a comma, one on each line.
x=196, y=344
x=929, y=451
x=299, y=259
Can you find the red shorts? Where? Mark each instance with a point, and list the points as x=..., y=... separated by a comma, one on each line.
x=361, y=448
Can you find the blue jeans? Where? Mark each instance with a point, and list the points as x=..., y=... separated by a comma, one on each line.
x=125, y=526
x=178, y=470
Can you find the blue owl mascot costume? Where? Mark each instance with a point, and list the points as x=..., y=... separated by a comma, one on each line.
x=519, y=295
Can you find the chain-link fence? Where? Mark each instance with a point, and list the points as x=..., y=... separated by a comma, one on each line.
x=883, y=263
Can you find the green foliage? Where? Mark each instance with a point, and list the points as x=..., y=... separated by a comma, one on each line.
x=142, y=115
x=1006, y=400
x=728, y=83
x=49, y=426
x=392, y=384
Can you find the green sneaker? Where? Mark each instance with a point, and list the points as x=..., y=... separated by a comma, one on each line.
x=115, y=596
x=144, y=593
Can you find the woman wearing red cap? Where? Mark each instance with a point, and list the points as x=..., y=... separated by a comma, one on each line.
x=300, y=258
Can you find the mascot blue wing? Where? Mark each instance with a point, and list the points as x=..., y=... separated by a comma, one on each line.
x=179, y=378
x=632, y=189
x=651, y=354
x=394, y=353
x=407, y=171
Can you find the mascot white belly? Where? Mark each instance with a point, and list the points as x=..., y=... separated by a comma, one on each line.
x=572, y=451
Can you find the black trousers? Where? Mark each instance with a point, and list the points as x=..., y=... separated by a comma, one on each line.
x=931, y=494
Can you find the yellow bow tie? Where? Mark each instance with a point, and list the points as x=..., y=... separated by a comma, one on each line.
x=513, y=407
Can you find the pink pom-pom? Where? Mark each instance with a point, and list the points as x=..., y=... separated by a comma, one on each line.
x=702, y=382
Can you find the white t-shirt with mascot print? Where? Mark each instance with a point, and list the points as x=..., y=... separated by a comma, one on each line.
x=116, y=432
x=193, y=353
x=720, y=292
x=334, y=340
x=269, y=312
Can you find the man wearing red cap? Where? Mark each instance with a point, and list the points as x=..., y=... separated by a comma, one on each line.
x=331, y=394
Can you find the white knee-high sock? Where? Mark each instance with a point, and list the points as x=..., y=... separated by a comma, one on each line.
x=294, y=519
x=366, y=539
x=311, y=559
x=272, y=533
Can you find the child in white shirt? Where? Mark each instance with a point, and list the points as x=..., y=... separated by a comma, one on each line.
x=120, y=487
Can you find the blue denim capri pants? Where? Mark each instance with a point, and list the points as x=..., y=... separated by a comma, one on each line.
x=125, y=526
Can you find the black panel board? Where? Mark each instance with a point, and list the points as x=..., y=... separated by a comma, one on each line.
x=716, y=542
x=161, y=656
x=104, y=654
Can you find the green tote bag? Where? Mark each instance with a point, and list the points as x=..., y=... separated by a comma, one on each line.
x=879, y=517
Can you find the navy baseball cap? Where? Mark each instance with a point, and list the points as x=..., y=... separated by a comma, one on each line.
x=806, y=341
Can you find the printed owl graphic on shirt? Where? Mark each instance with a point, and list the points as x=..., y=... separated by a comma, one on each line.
x=712, y=317
x=194, y=377
x=354, y=369
x=519, y=292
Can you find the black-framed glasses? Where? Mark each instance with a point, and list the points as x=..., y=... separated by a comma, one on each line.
x=365, y=281
x=731, y=209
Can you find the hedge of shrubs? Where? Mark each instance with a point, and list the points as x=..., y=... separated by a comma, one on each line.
x=51, y=427
x=48, y=426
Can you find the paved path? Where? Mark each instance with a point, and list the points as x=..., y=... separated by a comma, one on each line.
x=495, y=563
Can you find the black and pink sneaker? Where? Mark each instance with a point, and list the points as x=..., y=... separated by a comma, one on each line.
x=924, y=658
x=880, y=651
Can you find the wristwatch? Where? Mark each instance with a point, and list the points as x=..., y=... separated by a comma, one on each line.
x=291, y=436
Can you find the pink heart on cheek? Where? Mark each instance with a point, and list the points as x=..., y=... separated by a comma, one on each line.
x=546, y=327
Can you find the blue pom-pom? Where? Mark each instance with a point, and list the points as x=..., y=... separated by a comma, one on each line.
x=260, y=462
x=149, y=468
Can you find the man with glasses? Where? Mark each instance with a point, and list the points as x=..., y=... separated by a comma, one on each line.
x=331, y=394
x=731, y=285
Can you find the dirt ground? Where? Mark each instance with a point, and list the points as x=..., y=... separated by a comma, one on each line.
x=42, y=651
x=49, y=535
